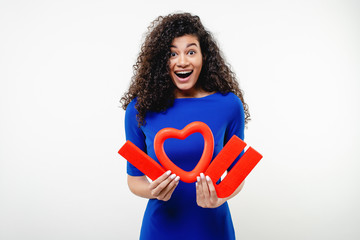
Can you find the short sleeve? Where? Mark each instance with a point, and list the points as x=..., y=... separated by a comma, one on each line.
x=134, y=134
x=236, y=124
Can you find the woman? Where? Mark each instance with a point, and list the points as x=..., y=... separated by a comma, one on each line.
x=180, y=77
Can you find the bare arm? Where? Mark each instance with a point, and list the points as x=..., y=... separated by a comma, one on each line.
x=161, y=189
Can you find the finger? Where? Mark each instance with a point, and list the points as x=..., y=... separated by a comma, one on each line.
x=212, y=190
x=199, y=193
x=168, y=187
x=211, y=187
x=159, y=189
x=159, y=180
x=205, y=191
x=171, y=190
x=204, y=186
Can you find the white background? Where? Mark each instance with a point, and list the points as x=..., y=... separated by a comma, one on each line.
x=65, y=64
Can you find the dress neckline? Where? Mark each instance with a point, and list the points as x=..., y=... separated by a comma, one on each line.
x=195, y=98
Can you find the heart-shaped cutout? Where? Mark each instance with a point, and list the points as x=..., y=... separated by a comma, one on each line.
x=191, y=128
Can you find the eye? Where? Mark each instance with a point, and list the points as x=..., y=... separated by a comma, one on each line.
x=191, y=52
x=173, y=54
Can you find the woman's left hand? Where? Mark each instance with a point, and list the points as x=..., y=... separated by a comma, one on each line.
x=206, y=196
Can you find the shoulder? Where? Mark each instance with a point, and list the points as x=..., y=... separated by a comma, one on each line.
x=131, y=113
x=231, y=100
x=132, y=104
x=233, y=106
x=130, y=109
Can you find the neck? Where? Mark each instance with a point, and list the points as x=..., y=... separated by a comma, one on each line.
x=194, y=93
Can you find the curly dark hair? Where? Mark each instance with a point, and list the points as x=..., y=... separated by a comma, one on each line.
x=151, y=83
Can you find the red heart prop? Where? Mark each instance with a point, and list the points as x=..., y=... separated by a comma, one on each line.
x=206, y=156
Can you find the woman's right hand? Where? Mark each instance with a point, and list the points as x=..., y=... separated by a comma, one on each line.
x=163, y=187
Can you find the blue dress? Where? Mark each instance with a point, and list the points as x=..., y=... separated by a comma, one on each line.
x=180, y=217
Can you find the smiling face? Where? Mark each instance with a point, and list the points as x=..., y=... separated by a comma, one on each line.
x=185, y=65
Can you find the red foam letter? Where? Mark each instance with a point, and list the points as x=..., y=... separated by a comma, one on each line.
x=240, y=170
x=141, y=160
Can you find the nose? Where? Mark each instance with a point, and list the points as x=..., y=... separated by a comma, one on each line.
x=182, y=61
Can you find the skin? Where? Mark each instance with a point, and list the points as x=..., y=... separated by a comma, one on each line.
x=206, y=194
x=185, y=57
x=161, y=189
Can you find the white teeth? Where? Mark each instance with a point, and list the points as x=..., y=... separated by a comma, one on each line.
x=183, y=72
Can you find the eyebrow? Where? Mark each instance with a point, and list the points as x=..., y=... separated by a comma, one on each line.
x=189, y=45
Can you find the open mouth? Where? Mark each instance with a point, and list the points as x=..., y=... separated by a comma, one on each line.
x=183, y=74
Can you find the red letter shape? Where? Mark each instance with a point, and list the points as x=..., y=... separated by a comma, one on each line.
x=238, y=173
x=141, y=160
